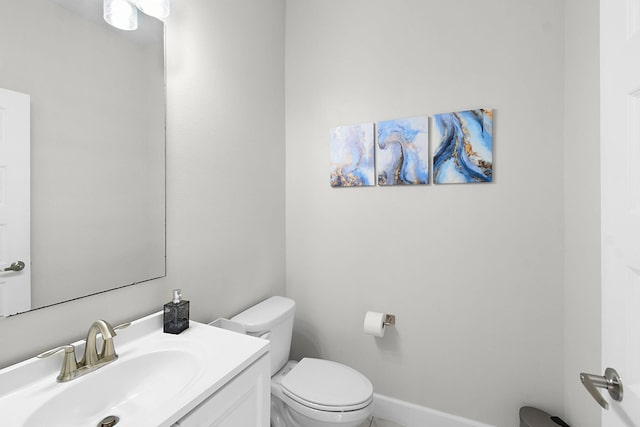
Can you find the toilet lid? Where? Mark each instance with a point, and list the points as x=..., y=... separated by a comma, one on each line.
x=328, y=386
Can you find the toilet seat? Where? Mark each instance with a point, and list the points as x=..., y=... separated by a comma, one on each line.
x=327, y=386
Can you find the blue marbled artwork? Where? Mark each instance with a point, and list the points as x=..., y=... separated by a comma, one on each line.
x=402, y=151
x=464, y=151
x=352, y=156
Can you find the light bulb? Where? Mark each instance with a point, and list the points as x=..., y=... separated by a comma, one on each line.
x=121, y=14
x=156, y=8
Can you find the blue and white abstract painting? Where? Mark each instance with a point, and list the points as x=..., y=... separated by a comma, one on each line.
x=464, y=150
x=402, y=151
x=352, y=156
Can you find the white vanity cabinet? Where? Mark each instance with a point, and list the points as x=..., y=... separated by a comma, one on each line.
x=243, y=402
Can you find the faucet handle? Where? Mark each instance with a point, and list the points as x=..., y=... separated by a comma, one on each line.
x=122, y=326
x=69, y=363
x=67, y=349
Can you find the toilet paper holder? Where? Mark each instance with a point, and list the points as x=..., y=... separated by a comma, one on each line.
x=389, y=319
x=375, y=323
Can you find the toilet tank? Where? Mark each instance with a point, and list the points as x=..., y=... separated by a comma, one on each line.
x=271, y=319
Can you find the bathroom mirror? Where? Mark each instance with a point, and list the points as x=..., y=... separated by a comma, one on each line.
x=97, y=144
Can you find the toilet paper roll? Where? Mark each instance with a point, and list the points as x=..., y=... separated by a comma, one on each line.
x=374, y=323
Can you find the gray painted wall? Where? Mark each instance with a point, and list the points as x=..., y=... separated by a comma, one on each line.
x=225, y=169
x=474, y=273
x=582, y=208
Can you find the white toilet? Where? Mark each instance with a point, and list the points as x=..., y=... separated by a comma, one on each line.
x=312, y=392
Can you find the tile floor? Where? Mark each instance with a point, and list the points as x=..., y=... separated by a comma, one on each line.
x=379, y=422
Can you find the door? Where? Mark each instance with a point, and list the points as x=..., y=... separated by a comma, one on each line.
x=15, y=282
x=620, y=153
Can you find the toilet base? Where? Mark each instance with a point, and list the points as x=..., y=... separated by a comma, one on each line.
x=284, y=416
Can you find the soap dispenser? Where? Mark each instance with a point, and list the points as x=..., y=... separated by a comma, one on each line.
x=176, y=314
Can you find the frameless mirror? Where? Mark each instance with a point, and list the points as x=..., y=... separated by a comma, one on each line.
x=97, y=144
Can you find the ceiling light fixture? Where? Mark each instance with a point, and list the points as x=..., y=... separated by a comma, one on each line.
x=156, y=8
x=123, y=14
x=120, y=14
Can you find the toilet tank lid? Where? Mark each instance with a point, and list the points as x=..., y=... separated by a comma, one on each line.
x=263, y=316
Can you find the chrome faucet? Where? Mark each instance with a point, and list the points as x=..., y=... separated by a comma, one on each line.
x=71, y=368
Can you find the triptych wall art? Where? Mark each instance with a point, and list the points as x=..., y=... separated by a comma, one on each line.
x=352, y=156
x=462, y=153
x=402, y=151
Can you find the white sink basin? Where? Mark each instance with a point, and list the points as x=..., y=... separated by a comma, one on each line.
x=124, y=389
x=157, y=379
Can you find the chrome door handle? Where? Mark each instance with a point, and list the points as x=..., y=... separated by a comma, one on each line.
x=16, y=266
x=610, y=381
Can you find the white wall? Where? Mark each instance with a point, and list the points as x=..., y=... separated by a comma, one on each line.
x=582, y=208
x=225, y=177
x=474, y=273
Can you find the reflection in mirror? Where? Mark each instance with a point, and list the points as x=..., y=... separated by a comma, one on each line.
x=97, y=144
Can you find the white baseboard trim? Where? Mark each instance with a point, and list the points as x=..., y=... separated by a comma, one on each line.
x=412, y=415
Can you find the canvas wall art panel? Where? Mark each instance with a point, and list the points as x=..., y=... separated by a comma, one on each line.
x=463, y=147
x=402, y=151
x=352, y=163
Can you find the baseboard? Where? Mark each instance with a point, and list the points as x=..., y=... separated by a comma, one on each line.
x=412, y=415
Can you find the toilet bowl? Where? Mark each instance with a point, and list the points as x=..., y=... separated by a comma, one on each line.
x=312, y=392
x=318, y=393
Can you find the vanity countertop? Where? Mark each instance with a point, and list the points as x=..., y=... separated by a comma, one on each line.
x=191, y=365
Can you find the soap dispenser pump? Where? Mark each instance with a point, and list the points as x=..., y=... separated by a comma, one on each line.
x=176, y=314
